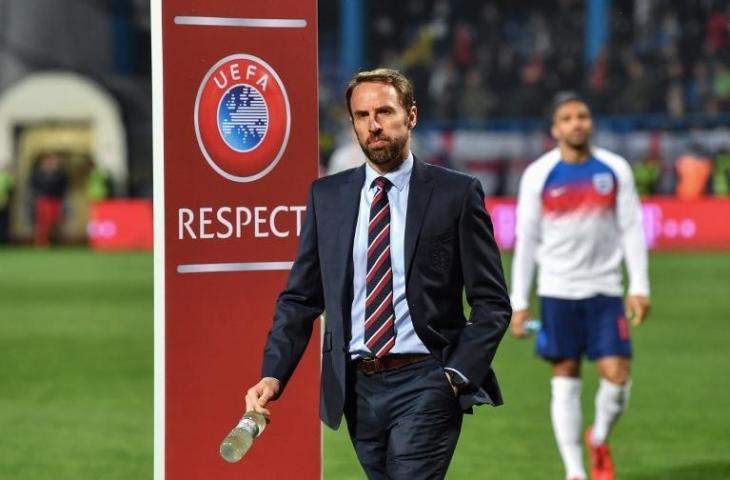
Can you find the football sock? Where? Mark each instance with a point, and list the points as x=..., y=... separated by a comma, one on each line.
x=611, y=400
x=565, y=411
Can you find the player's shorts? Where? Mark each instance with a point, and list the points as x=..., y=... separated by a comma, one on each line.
x=595, y=327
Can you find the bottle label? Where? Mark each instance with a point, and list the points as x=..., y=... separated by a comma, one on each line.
x=249, y=424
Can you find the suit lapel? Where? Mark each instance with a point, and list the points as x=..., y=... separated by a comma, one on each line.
x=348, y=206
x=418, y=197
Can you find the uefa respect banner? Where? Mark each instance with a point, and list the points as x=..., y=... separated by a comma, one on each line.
x=236, y=148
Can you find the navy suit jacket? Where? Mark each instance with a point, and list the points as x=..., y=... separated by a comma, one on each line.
x=449, y=249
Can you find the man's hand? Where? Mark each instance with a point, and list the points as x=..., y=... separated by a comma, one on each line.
x=517, y=325
x=456, y=389
x=637, y=308
x=260, y=394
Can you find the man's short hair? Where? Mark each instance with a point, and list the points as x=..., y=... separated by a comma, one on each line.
x=388, y=76
x=562, y=98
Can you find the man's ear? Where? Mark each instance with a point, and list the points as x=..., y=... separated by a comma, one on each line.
x=412, y=117
x=553, y=132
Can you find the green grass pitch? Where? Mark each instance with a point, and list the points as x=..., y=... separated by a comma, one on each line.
x=76, y=379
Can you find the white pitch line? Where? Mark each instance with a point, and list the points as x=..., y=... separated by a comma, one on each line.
x=233, y=267
x=241, y=22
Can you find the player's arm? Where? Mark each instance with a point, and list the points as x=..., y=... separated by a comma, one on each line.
x=628, y=211
x=297, y=307
x=527, y=239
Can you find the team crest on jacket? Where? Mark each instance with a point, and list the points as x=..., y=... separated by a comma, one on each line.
x=603, y=182
x=242, y=117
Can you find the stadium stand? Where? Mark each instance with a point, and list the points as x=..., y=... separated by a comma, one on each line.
x=485, y=72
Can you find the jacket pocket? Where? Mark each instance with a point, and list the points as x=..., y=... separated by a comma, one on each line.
x=439, y=237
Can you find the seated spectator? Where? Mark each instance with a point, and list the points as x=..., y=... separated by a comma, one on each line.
x=721, y=175
x=693, y=173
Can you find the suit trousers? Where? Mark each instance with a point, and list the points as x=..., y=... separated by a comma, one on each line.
x=403, y=423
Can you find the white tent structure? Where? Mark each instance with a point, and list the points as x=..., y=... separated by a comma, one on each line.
x=61, y=97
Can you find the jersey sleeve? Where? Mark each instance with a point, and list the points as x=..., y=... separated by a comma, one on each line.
x=529, y=209
x=628, y=212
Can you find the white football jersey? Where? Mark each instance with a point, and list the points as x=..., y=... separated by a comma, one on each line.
x=576, y=222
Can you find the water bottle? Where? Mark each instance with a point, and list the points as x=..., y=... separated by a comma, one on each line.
x=237, y=443
x=532, y=326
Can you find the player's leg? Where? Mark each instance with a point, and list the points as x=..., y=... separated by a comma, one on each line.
x=610, y=346
x=612, y=397
x=566, y=415
x=561, y=343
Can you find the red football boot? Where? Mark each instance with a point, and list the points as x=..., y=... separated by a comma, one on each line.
x=601, y=463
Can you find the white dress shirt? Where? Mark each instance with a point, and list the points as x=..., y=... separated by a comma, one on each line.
x=406, y=340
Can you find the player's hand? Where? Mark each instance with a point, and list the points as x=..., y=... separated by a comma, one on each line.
x=517, y=325
x=637, y=309
x=260, y=394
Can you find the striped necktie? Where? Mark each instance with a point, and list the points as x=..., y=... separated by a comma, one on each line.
x=379, y=312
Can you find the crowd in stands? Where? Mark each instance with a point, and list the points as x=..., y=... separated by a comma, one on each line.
x=472, y=62
x=481, y=60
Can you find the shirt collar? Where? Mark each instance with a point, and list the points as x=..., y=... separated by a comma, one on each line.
x=398, y=177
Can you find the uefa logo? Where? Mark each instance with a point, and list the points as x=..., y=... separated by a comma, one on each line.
x=242, y=118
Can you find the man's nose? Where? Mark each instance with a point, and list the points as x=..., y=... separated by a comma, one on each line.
x=374, y=126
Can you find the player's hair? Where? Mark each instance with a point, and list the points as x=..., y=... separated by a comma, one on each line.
x=388, y=76
x=562, y=98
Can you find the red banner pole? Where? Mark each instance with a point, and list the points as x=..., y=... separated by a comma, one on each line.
x=236, y=148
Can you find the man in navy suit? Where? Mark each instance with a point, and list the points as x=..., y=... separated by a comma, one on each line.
x=387, y=250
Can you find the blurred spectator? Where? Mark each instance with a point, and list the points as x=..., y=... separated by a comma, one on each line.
x=722, y=85
x=463, y=48
x=477, y=102
x=98, y=181
x=638, y=91
x=721, y=175
x=6, y=192
x=674, y=90
x=669, y=31
x=675, y=100
x=642, y=24
x=48, y=184
x=527, y=101
x=442, y=90
x=693, y=174
x=718, y=29
x=646, y=175
x=598, y=81
x=417, y=60
x=700, y=89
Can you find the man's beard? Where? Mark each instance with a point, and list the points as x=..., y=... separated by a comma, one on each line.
x=383, y=156
x=579, y=144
